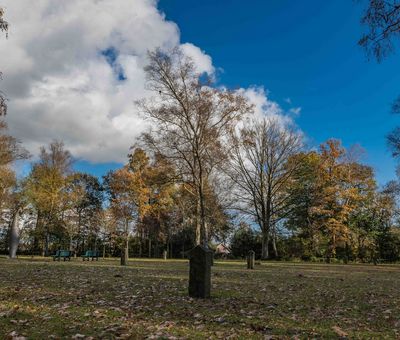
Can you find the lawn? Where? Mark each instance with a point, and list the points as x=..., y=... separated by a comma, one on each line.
x=42, y=299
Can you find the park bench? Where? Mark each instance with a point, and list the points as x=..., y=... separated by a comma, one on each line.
x=91, y=254
x=64, y=254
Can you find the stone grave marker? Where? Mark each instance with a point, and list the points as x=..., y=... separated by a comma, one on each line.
x=200, y=272
x=251, y=259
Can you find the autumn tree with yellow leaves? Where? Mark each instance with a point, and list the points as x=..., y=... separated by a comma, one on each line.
x=129, y=196
x=328, y=191
x=46, y=190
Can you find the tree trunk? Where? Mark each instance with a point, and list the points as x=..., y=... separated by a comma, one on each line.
x=14, y=235
x=274, y=242
x=203, y=223
x=125, y=249
x=333, y=248
x=197, y=221
x=274, y=245
x=149, y=247
x=156, y=252
x=46, y=243
x=265, y=243
x=126, y=252
x=123, y=257
x=70, y=245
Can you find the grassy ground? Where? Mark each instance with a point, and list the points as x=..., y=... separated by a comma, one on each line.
x=41, y=299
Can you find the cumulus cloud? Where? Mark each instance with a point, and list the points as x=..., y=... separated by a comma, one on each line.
x=73, y=69
x=263, y=106
x=201, y=60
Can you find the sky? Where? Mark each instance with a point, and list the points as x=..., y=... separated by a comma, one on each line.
x=73, y=69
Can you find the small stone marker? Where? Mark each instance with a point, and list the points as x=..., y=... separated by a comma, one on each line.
x=164, y=254
x=251, y=259
x=200, y=272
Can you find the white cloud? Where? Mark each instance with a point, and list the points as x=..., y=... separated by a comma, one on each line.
x=202, y=60
x=263, y=106
x=59, y=81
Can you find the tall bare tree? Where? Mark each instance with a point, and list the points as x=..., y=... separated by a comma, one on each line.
x=191, y=119
x=261, y=171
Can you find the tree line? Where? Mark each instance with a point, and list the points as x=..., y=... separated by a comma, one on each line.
x=208, y=170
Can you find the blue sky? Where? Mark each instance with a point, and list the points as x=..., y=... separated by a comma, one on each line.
x=306, y=51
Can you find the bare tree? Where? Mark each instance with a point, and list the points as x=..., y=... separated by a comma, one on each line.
x=383, y=20
x=191, y=120
x=3, y=28
x=3, y=23
x=260, y=170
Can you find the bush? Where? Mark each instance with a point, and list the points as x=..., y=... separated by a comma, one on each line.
x=244, y=240
x=389, y=246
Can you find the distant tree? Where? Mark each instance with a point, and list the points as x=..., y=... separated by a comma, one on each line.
x=261, y=171
x=191, y=119
x=388, y=245
x=107, y=230
x=46, y=189
x=11, y=200
x=119, y=185
x=159, y=222
x=83, y=203
x=129, y=196
x=305, y=191
x=243, y=240
x=332, y=196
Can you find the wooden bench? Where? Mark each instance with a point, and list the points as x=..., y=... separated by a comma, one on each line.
x=65, y=254
x=90, y=254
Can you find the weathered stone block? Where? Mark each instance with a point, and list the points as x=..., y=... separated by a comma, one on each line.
x=200, y=272
x=251, y=256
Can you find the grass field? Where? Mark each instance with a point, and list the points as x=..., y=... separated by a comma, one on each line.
x=41, y=299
